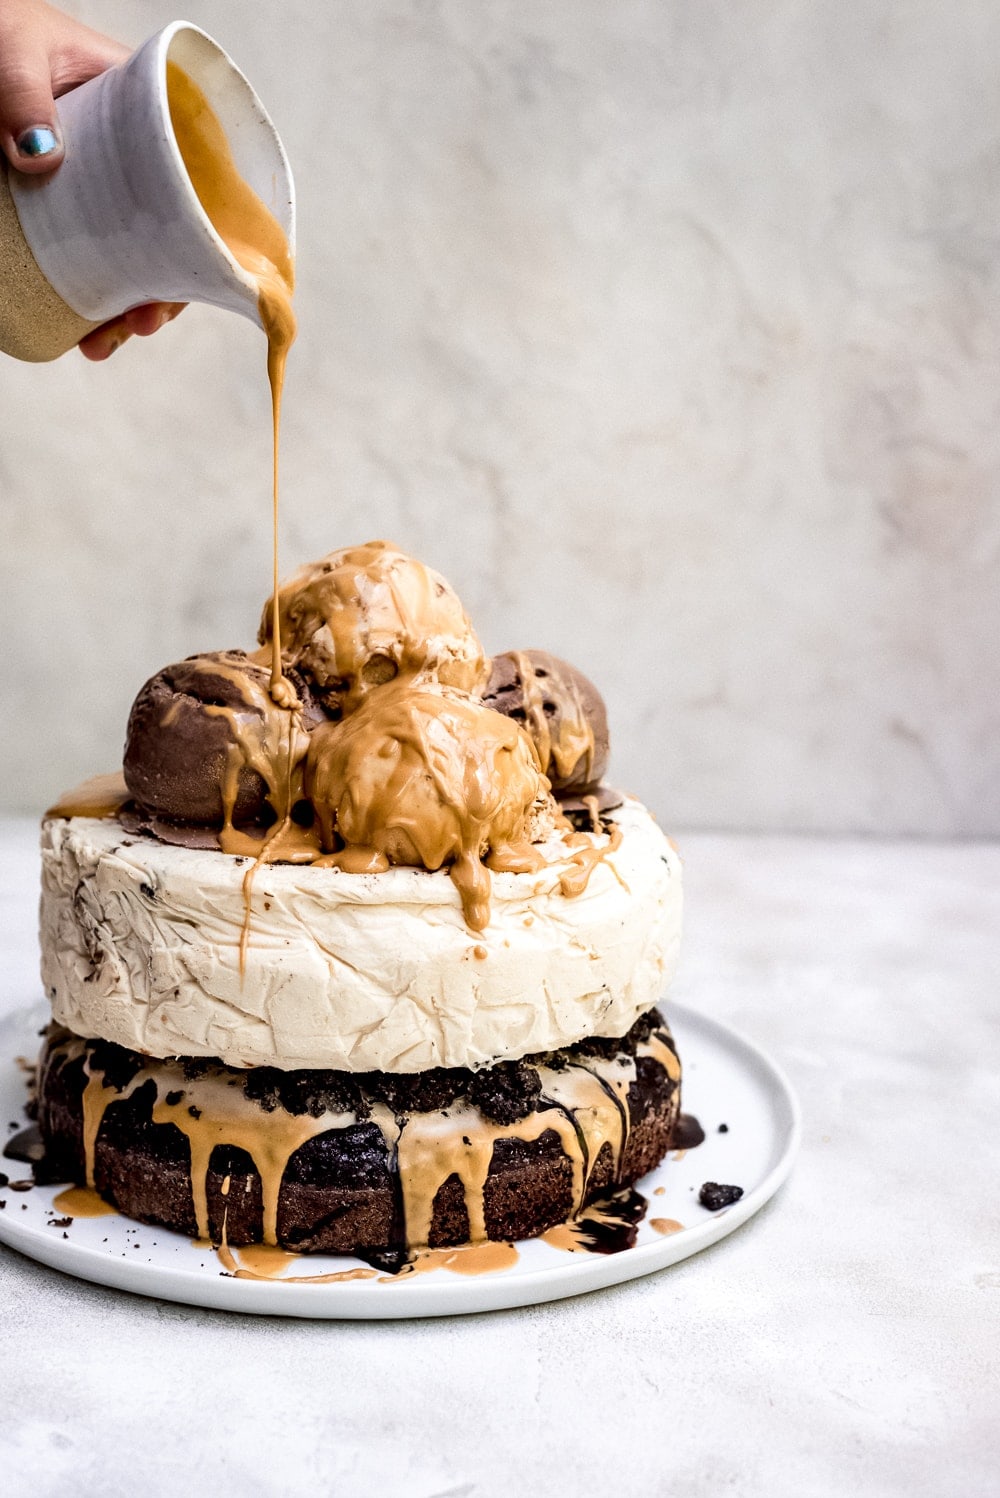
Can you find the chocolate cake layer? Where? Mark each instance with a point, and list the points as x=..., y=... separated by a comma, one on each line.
x=337, y=1163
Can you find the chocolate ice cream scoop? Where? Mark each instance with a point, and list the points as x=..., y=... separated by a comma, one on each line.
x=560, y=708
x=361, y=617
x=206, y=744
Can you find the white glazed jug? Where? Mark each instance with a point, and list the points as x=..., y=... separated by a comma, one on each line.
x=119, y=223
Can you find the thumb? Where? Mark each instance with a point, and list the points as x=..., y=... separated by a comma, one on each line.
x=29, y=124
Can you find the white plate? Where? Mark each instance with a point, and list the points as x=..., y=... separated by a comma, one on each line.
x=726, y=1080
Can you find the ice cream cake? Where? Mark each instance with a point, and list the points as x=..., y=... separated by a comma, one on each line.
x=369, y=968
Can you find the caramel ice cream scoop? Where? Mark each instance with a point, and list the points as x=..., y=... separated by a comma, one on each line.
x=361, y=617
x=206, y=744
x=428, y=777
x=560, y=708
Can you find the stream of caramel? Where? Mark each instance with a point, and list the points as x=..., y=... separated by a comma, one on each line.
x=258, y=243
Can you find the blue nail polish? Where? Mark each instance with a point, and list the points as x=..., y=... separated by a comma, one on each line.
x=40, y=140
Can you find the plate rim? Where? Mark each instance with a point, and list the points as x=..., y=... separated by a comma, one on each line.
x=454, y=1295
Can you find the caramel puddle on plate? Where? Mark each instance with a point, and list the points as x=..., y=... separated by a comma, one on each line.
x=263, y=1261
x=82, y=1201
x=468, y=1258
x=666, y=1225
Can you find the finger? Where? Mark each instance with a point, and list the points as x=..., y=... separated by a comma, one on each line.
x=102, y=342
x=43, y=55
x=86, y=55
x=152, y=317
x=29, y=124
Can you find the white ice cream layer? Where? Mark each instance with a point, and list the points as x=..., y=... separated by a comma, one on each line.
x=361, y=972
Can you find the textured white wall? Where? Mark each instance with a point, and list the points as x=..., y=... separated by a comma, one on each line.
x=668, y=329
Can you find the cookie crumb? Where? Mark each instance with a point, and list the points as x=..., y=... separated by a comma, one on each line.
x=715, y=1196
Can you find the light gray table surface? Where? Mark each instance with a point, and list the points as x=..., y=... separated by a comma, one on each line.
x=844, y=1341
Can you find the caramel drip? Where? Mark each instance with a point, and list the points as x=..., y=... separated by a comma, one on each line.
x=589, y=1111
x=468, y=1258
x=599, y=1110
x=584, y=858
x=258, y=243
x=337, y=1277
x=663, y=1053
x=265, y=739
x=576, y=736
x=265, y=1260
x=518, y=858
x=594, y=812
x=360, y=617
x=356, y=860
x=82, y=1201
x=285, y=842
x=262, y=1261
x=227, y=1116
x=435, y=1146
x=100, y=796
x=666, y=1225
x=271, y=741
x=97, y=1098
x=567, y=1237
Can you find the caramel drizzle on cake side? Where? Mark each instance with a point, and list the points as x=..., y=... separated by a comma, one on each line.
x=585, y=1104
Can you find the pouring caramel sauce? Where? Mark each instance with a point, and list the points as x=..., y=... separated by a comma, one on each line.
x=259, y=244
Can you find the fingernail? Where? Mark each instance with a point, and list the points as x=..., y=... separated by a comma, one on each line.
x=40, y=140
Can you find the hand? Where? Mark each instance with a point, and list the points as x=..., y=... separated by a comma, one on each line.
x=44, y=54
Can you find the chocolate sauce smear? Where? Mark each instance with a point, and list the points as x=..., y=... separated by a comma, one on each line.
x=27, y=1146
x=611, y=1225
